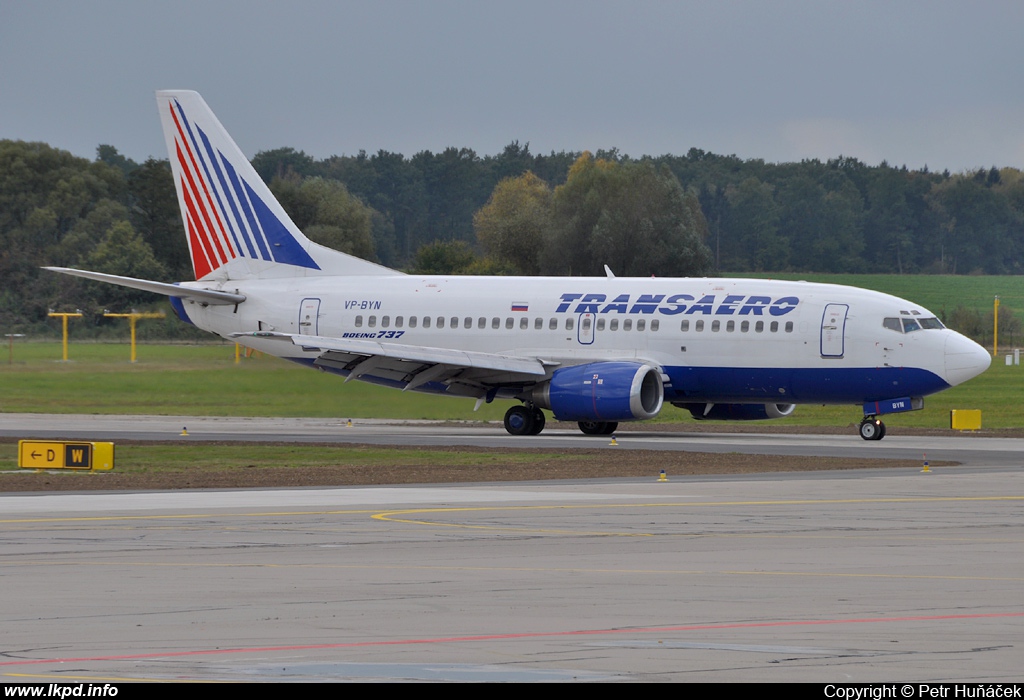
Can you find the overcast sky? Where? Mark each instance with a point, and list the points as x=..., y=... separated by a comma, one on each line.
x=937, y=83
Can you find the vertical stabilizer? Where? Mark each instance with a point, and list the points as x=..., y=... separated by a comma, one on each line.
x=236, y=228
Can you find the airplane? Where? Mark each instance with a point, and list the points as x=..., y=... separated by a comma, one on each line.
x=597, y=351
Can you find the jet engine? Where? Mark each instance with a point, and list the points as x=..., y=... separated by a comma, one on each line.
x=737, y=411
x=602, y=391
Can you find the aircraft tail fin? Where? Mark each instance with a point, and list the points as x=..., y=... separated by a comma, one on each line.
x=236, y=228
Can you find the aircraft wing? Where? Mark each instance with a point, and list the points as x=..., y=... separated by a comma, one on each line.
x=467, y=372
x=205, y=296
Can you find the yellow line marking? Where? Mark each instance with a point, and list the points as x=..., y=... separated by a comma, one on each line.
x=390, y=516
x=583, y=506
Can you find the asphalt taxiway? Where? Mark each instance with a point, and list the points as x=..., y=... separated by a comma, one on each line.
x=823, y=577
x=967, y=449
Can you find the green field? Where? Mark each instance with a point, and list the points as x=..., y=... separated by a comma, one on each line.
x=181, y=379
x=157, y=458
x=937, y=293
x=202, y=380
x=205, y=380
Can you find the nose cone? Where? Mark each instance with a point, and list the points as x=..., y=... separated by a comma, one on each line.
x=965, y=359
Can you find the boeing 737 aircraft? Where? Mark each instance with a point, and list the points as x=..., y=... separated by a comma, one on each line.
x=593, y=350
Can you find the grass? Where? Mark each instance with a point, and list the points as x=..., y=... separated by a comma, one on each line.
x=937, y=293
x=157, y=458
x=204, y=380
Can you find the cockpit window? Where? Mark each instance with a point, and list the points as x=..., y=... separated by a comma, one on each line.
x=909, y=325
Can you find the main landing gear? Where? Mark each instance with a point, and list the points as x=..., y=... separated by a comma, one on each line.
x=597, y=427
x=871, y=428
x=524, y=420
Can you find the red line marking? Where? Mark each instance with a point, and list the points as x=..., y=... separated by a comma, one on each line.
x=519, y=635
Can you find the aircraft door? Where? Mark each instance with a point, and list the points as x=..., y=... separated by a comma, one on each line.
x=309, y=317
x=833, y=330
x=585, y=329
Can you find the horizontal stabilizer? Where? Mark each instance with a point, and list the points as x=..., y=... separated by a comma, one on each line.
x=205, y=296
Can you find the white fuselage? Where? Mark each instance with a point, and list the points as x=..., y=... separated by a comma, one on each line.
x=716, y=340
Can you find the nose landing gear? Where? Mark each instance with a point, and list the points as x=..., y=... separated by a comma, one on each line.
x=871, y=428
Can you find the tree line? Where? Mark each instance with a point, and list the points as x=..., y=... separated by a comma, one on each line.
x=565, y=213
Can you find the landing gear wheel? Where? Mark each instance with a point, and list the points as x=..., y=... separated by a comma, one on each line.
x=588, y=427
x=872, y=429
x=519, y=420
x=538, y=421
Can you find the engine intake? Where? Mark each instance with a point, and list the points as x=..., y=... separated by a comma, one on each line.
x=737, y=411
x=602, y=391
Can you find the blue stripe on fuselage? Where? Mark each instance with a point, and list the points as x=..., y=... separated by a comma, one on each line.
x=798, y=385
x=760, y=384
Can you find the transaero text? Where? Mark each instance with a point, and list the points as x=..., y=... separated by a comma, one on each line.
x=673, y=304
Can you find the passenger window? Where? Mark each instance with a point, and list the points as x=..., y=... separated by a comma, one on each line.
x=655, y=324
x=509, y=323
x=600, y=324
x=372, y=322
x=468, y=322
x=524, y=323
x=716, y=326
x=568, y=324
x=412, y=322
x=426, y=322
x=684, y=326
x=538, y=323
x=745, y=327
x=385, y=321
x=359, y=321
x=586, y=323
x=627, y=324
x=640, y=324
x=613, y=325
x=553, y=324
x=759, y=326
x=730, y=326
x=698, y=326
x=789, y=326
x=481, y=322
x=398, y=321
x=774, y=328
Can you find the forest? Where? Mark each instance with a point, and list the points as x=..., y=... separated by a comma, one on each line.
x=456, y=212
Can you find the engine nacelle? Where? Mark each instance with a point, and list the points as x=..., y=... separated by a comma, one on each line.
x=737, y=411
x=602, y=391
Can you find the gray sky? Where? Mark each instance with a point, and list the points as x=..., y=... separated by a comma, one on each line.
x=938, y=82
